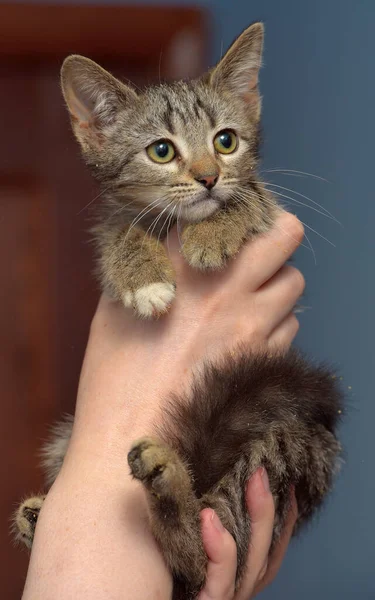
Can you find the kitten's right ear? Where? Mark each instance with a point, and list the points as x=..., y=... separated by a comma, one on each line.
x=238, y=70
x=94, y=97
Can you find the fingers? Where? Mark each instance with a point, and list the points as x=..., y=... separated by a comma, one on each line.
x=266, y=254
x=222, y=558
x=262, y=513
x=279, y=552
x=284, y=334
x=259, y=260
x=221, y=549
x=280, y=294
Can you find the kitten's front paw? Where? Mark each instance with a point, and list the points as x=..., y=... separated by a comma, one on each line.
x=150, y=300
x=26, y=518
x=207, y=248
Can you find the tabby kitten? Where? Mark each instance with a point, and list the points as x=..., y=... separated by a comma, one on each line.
x=188, y=153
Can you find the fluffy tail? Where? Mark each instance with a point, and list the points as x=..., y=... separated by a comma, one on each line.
x=277, y=410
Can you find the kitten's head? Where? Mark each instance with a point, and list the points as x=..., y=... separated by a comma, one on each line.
x=187, y=148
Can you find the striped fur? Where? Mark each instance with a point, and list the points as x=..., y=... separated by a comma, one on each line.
x=256, y=410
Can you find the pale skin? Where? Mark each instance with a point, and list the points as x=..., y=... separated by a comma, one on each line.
x=93, y=539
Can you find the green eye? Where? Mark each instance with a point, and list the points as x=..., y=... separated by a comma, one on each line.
x=225, y=142
x=161, y=151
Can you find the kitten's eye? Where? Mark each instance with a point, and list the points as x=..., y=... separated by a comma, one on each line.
x=161, y=151
x=225, y=142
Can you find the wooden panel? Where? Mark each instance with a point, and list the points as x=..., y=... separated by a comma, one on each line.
x=47, y=294
x=132, y=33
x=27, y=369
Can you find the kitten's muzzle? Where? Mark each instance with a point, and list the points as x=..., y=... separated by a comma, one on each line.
x=208, y=181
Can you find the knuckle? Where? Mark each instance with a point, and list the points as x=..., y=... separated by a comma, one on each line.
x=294, y=325
x=255, y=333
x=293, y=227
x=263, y=571
x=297, y=280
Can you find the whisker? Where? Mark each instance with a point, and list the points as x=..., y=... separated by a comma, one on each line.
x=148, y=229
x=162, y=227
x=132, y=184
x=179, y=226
x=309, y=247
x=159, y=217
x=170, y=223
x=306, y=206
x=143, y=213
x=319, y=234
x=92, y=201
x=155, y=221
x=306, y=198
x=153, y=225
x=150, y=207
x=294, y=171
x=121, y=208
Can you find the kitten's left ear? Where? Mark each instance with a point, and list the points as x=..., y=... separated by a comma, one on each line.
x=238, y=70
x=94, y=98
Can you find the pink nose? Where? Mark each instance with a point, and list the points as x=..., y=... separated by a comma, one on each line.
x=209, y=181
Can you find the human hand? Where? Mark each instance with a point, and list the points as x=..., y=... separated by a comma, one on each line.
x=130, y=368
x=251, y=302
x=220, y=546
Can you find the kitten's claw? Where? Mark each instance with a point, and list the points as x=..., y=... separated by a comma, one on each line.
x=25, y=520
x=150, y=300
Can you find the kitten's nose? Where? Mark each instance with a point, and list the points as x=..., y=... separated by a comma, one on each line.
x=209, y=181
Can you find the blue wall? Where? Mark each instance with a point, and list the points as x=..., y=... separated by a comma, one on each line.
x=319, y=101
x=319, y=105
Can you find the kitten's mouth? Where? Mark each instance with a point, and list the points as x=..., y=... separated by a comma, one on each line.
x=206, y=196
x=196, y=201
x=200, y=208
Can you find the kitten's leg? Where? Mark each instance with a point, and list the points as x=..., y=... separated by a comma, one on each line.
x=174, y=510
x=25, y=520
x=228, y=500
x=210, y=243
x=135, y=269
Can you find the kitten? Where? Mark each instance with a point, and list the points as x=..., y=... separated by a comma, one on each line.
x=187, y=152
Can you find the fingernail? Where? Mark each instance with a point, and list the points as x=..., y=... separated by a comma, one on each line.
x=265, y=480
x=216, y=522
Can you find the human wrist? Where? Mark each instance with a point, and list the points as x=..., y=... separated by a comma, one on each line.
x=92, y=532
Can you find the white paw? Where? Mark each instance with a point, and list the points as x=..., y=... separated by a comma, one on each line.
x=150, y=300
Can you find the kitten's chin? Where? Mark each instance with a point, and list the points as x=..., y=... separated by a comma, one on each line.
x=199, y=210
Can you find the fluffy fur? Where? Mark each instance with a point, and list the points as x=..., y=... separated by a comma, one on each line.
x=256, y=410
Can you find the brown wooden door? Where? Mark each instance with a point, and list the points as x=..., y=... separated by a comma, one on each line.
x=47, y=295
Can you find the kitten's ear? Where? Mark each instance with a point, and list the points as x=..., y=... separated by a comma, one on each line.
x=93, y=97
x=238, y=70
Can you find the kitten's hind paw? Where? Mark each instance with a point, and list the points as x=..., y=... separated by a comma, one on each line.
x=151, y=300
x=158, y=467
x=25, y=520
x=174, y=509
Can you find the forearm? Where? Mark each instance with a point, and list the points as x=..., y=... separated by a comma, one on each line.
x=105, y=548
x=92, y=539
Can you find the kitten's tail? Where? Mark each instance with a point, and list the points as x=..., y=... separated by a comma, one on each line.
x=279, y=411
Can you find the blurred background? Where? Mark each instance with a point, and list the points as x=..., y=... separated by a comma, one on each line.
x=319, y=98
